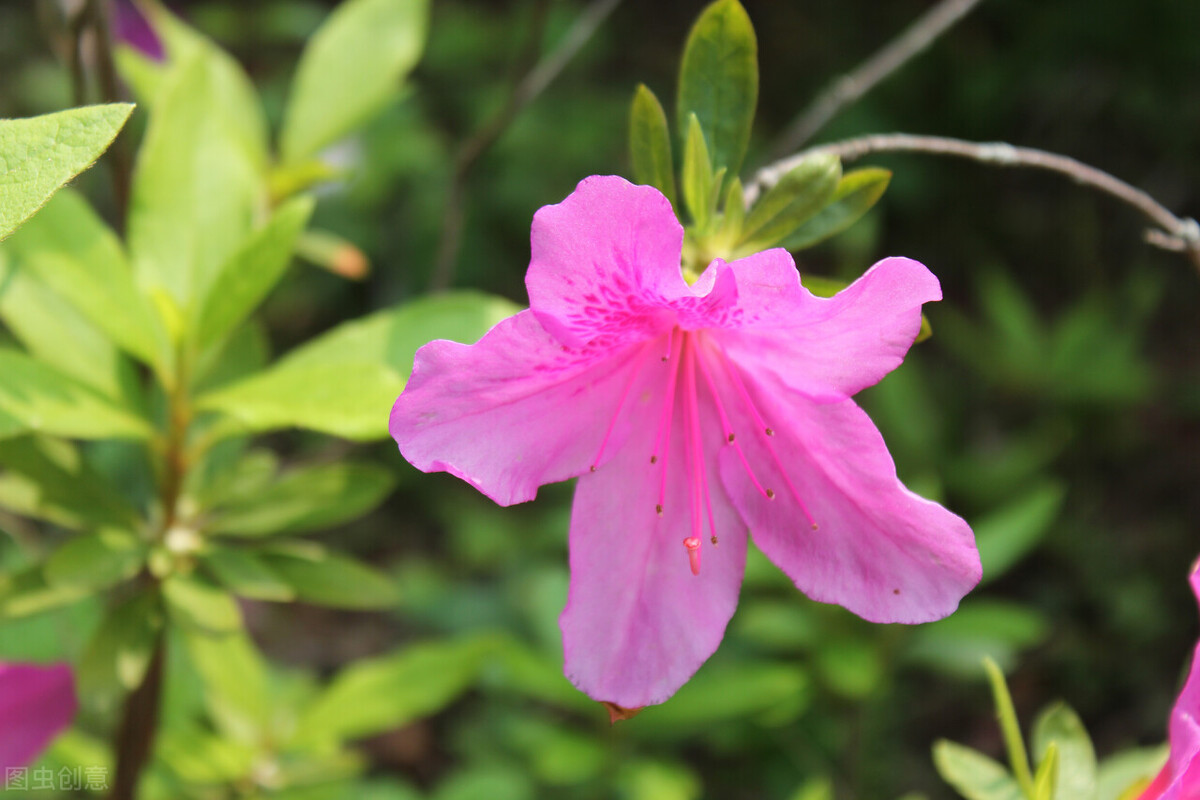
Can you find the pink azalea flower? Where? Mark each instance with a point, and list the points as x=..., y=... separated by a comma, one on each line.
x=1180, y=777
x=692, y=414
x=36, y=703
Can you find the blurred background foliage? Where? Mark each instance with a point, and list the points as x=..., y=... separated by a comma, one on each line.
x=1057, y=408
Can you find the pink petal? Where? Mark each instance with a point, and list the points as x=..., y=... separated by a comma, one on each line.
x=604, y=260
x=1180, y=778
x=638, y=623
x=879, y=550
x=515, y=410
x=36, y=704
x=827, y=348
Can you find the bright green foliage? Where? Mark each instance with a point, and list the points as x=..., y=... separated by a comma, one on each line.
x=352, y=66
x=1018, y=759
x=118, y=653
x=1046, y=777
x=698, y=183
x=783, y=208
x=650, y=143
x=69, y=249
x=1124, y=775
x=326, y=578
x=345, y=381
x=96, y=561
x=45, y=400
x=197, y=605
x=856, y=193
x=974, y=775
x=981, y=628
x=250, y=273
x=179, y=237
x=384, y=693
x=39, y=155
x=718, y=81
x=234, y=677
x=245, y=574
x=49, y=479
x=1059, y=728
x=307, y=500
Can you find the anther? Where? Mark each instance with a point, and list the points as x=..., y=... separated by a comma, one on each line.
x=658, y=510
x=693, y=547
x=770, y=494
x=714, y=541
x=770, y=432
x=653, y=459
x=731, y=438
x=593, y=467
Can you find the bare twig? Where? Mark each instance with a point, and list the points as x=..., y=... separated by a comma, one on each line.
x=853, y=85
x=524, y=92
x=1171, y=232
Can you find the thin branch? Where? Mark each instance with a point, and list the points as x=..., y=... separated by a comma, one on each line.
x=1170, y=232
x=524, y=92
x=849, y=87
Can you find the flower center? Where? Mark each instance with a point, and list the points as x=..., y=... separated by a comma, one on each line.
x=692, y=357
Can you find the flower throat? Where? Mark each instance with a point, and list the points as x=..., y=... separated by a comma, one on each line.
x=685, y=354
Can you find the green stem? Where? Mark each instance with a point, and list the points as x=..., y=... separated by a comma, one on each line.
x=1010, y=728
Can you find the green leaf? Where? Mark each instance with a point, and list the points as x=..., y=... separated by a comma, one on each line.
x=733, y=217
x=197, y=186
x=350, y=69
x=1009, y=727
x=718, y=81
x=41, y=154
x=697, y=175
x=972, y=774
x=235, y=682
x=46, y=401
x=1060, y=727
x=650, y=143
x=308, y=499
x=27, y=592
x=1124, y=775
x=980, y=628
x=197, y=604
x=96, y=561
x=244, y=573
x=233, y=476
x=70, y=249
x=196, y=755
x=730, y=692
x=54, y=332
x=380, y=694
x=801, y=193
x=48, y=479
x=344, y=382
x=857, y=192
x=325, y=578
x=1007, y=535
x=119, y=652
x=1047, y=775
x=236, y=101
x=250, y=273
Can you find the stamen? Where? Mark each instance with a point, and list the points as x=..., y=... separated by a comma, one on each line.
x=697, y=443
x=693, y=547
x=690, y=441
x=662, y=439
x=612, y=423
x=712, y=389
x=749, y=403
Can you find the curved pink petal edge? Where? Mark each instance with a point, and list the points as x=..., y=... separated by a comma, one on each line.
x=653, y=393
x=36, y=704
x=841, y=524
x=1180, y=776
